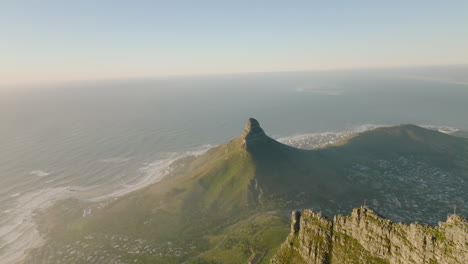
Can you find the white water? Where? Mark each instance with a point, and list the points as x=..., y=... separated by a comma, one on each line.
x=18, y=231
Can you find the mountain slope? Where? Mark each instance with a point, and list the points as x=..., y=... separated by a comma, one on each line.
x=408, y=173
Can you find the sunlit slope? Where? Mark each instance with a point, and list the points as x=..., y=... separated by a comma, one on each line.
x=255, y=172
x=197, y=206
x=249, y=173
x=201, y=192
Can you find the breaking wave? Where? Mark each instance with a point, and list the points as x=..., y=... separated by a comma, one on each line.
x=18, y=231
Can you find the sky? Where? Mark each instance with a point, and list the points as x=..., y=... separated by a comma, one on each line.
x=63, y=40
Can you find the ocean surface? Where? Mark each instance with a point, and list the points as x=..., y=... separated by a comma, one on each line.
x=97, y=140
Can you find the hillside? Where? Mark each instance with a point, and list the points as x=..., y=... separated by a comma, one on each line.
x=217, y=204
x=366, y=237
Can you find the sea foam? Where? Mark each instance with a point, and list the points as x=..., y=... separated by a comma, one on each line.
x=39, y=173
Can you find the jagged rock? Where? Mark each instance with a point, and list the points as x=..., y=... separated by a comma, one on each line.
x=253, y=133
x=366, y=237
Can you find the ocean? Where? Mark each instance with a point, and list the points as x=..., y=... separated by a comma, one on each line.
x=96, y=140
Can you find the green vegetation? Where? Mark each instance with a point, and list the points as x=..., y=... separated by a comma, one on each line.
x=257, y=238
x=215, y=208
x=349, y=249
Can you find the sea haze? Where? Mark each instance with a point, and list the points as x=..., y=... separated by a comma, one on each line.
x=99, y=140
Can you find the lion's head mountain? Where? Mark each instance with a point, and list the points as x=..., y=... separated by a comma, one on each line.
x=232, y=204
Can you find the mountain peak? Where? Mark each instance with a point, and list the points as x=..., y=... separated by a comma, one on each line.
x=252, y=127
x=253, y=132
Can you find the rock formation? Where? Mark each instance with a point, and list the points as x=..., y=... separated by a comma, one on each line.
x=253, y=133
x=366, y=237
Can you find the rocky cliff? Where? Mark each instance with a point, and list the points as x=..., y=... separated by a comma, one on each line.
x=366, y=237
x=253, y=134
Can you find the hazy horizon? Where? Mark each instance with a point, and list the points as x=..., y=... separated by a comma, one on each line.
x=57, y=41
x=452, y=73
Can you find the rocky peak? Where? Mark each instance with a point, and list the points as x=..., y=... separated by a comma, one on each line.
x=253, y=133
x=252, y=127
x=453, y=218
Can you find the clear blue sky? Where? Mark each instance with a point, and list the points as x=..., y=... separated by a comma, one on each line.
x=55, y=40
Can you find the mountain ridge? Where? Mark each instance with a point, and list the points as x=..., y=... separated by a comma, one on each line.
x=366, y=237
x=205, y=196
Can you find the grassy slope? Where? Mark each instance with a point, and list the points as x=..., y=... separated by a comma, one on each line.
x=256, y=237
x=205, y=195
x=204, y=199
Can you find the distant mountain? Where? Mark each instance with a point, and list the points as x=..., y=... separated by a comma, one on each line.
x=225, y=202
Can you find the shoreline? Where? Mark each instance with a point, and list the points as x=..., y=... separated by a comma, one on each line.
x=24, y=234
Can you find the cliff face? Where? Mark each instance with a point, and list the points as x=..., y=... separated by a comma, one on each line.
x=365, y=237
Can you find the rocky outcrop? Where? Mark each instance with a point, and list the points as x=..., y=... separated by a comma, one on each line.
x=366, y=237
x=253, y=133
x=255, y=192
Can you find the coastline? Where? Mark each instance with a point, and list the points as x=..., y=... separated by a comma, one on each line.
x=23, y=233
x=26, y=235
